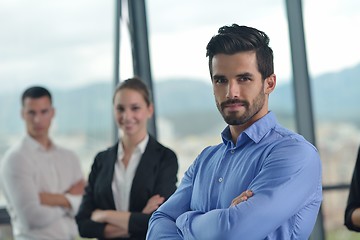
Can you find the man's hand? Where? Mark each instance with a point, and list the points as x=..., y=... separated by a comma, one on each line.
x=59, y=199
x=242, y=197
x=153, y=203
x=53, y=199
x=77, y=188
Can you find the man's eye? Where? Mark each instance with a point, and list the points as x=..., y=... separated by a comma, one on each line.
x=44, y=112
x=244, y=79
x=220, y=80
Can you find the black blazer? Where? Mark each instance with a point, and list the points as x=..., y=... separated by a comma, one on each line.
x=155, y=174
x=354, y=196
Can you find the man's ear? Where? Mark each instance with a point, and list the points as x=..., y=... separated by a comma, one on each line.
x=151, y=110
x=269, y=84
x=22, y=113
x=52, y=112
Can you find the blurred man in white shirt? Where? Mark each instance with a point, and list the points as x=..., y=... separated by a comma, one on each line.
x=41, y=181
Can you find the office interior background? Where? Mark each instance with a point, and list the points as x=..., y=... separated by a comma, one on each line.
x=81, y=49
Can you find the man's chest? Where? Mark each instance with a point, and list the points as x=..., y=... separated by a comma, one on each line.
x=48, y=174
x=222, y=177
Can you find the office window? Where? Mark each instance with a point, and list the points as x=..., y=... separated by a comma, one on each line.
x=334, y=66
x=66, y=46
x=179, y=31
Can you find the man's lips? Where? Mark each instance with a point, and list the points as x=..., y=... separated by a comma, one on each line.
x=232, y=105
x=39, y=128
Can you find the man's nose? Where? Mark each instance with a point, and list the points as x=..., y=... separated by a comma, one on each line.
x=37, y=118
x=232, y=90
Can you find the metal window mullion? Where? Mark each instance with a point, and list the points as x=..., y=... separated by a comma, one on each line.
x=302, y=89
x=140, y=49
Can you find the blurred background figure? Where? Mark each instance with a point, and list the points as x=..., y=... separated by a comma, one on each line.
x=352, y=211
x=131, y=179
x=41, y=181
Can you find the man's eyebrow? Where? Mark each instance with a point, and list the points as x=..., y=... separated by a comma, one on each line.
x=245, y=74
x=45, y=110
x=217, y=76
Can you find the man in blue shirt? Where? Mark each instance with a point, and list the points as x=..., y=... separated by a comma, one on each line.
x=263, y=181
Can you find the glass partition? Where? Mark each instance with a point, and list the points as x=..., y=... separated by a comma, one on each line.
x=334, y=66
x=66, y=46
x=179, y=31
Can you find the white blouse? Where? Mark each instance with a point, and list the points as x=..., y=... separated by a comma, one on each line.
x=123, y=176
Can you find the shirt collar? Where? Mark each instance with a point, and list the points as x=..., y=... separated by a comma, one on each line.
x=256, y=131
x=35, y=145
x=140, y=147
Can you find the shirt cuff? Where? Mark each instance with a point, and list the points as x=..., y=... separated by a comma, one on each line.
x=74, y=201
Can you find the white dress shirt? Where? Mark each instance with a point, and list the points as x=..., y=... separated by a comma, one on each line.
x=28, y=169
x=123, y=176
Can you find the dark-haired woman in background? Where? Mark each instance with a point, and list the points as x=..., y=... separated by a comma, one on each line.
x=352, y=212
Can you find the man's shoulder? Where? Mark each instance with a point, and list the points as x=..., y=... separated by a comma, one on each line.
x=13, y=159
x=63, y=149
x=288, y=136
x=66, y=153
x=288, y=144
x=17, y=151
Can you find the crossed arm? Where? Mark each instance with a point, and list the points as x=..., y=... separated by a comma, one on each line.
x=60, y=199
x=117, y=222
x=281, y=188
x=170, y=225
x=33, y=209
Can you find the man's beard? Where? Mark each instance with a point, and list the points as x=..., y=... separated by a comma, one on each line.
x=232, y=118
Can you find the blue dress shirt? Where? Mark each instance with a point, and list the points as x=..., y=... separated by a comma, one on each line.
x=281, y=168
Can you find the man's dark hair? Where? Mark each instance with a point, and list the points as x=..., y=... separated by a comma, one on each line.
x=233, y=39
x=35, y=92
